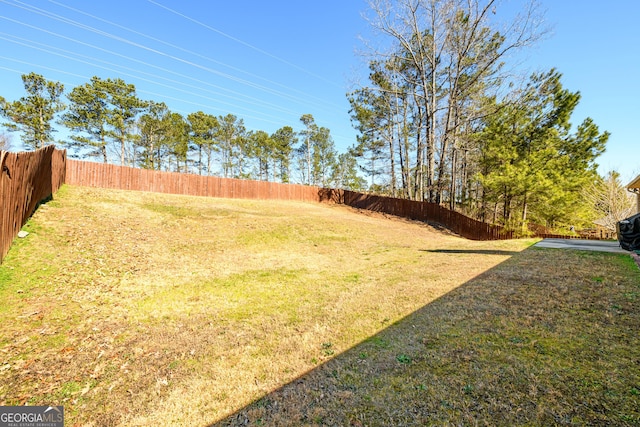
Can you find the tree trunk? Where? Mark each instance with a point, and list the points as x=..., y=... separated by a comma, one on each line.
x=452, y=191
x=308, y=161
x=392, y=164
x=524, y=211
x=122, y=159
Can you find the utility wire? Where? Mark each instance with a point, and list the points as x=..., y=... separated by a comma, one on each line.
x=237, y=40
x=44, y=67
x=136, y=60
x=85, y=59
x=190, y=52
x=54, y=16
x=67, y=84
x=254, y=101
x=48, y=49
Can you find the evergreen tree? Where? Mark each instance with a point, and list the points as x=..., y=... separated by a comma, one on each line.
x=305, y=149
x=86, y=118
x=345, y=174
x=152, y=128
x=33, y=115
x=232, y=143
x=284, y=139
x=423, y=92
x=261, y=147
x=371, y=115
x=102, y=111
x=532, y=165
x=124, y=107
x=323, y=157
x=204, y=128
x=176, y=138
x=318, y=150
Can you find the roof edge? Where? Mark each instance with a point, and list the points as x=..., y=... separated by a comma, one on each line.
x=635, y=184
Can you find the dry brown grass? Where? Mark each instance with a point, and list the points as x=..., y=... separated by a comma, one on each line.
x=145, y=309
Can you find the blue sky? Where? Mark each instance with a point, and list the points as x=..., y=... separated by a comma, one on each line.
x=269, y=62
x=596, y=46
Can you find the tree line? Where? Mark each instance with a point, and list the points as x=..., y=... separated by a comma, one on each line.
x=106, y=119
x=442, y=117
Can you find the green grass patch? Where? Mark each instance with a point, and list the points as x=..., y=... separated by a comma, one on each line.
x=241, y=296
x=174, y=211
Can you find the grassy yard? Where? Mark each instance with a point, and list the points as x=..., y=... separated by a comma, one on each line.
x=144, y=309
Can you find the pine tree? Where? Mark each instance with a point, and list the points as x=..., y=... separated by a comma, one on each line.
x=231, y=141
x=204, y=128
x=152, y=130
x=261, y=147
x=345, y=174
x=176, y=138
x=33, y=115
x=102, y=111
x=86, y=118
x=284, y=140
x=124, y=107
x=533, y=166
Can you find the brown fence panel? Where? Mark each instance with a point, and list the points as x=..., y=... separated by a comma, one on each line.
x=26, y=179
x=604, y=235
x=423, y=211
x=103, y=175
x=58, y=169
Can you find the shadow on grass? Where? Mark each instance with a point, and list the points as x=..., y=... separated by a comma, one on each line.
x=533, y=341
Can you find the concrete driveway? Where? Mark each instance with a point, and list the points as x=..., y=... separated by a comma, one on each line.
x=583, y=245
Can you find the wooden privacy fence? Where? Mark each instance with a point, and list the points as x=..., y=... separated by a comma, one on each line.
x=26, y=179
x=423, y=211
x=104, y=175
x=597, y=235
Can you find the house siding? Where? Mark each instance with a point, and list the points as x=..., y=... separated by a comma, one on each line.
x=634, y=187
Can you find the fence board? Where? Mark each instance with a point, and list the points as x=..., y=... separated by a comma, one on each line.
x=423, y=211
x=26, y=179
x=92, y=174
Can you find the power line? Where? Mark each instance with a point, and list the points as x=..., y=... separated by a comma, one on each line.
x=41, y=66
x=89, y=28
x=237, y=40
x=202, y=85
x=56, y=70
x=143, y=63
x=70, y=55
x=190, y=52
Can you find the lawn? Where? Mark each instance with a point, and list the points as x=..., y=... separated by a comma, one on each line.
x=134, y=308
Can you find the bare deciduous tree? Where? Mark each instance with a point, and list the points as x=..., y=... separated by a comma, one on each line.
x=610, y=199
x=444, y=57
x=5, y=142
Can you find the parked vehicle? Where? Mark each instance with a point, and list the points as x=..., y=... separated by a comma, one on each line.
x=629, y=233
